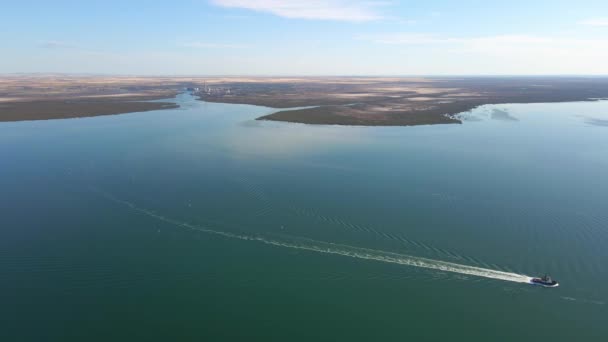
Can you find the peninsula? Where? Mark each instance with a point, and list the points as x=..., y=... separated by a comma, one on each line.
x=395, y=101
x=44, y=97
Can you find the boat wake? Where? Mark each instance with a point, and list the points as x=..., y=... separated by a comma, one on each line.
x=335, y=249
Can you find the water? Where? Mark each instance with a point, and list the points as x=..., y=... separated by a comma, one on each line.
x=203, y=224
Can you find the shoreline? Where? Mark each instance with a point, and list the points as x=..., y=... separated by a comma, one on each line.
x=326, y=117
x=398, y=102
x=374, y=101
x=68, y=109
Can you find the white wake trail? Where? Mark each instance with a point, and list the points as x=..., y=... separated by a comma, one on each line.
x=339, y=249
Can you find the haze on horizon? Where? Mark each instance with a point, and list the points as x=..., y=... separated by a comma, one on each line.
x=298, y=37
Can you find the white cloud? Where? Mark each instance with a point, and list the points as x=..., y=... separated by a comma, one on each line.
x=500, y=54
x=341, y=10
x=595, y=22
x=203, y=45
x=405, y=38
x=390, y=54
x=504, y=45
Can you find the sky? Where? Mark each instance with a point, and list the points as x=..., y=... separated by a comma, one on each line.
x=305, y=37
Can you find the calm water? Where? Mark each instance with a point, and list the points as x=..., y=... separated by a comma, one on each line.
x=203, y=224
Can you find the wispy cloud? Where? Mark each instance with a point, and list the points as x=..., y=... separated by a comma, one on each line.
x=595, y=22
x=204, y=45
x=340, y=10
x=558, y=51
x=55, y=44
x=432, y=39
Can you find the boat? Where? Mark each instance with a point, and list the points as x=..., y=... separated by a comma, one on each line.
x=544, y=281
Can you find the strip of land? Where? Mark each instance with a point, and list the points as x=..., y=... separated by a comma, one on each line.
x=44, y=97
x=46, y=110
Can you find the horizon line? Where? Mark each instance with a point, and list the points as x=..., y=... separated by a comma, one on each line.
x=293, y=75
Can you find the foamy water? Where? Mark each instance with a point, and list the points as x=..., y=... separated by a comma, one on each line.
x=337, y=249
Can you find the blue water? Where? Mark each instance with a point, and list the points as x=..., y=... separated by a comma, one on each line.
x=201, y=223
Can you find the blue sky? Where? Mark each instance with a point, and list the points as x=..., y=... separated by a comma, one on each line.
x=299, y=37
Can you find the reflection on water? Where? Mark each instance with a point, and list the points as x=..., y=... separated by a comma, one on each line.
x=501, y=114
x=253, y=138
x=597, y=122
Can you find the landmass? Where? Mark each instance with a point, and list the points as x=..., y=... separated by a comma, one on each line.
x=365, y=101
x=394, y=101
x=44, y=97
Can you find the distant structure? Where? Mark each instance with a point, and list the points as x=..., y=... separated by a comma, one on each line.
x=215, y=91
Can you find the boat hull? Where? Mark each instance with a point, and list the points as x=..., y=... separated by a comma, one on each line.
x=540, y=282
